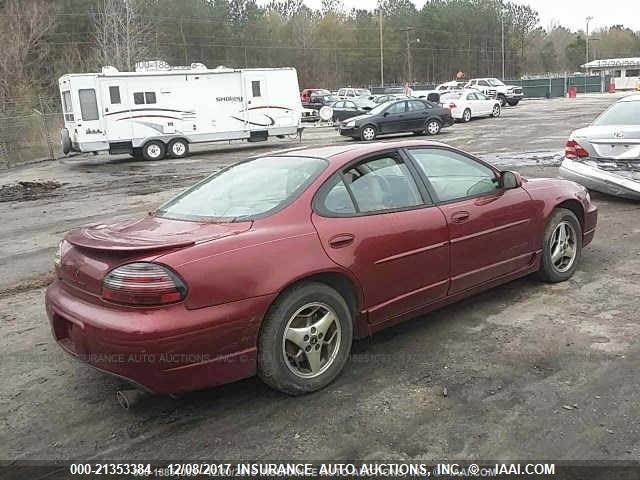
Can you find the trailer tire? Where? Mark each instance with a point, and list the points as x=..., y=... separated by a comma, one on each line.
x=178, y=148
x=153, y=150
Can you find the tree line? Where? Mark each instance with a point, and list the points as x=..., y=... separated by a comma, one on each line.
x=330, y=46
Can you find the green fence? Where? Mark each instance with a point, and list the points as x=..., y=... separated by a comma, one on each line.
x=558, y=87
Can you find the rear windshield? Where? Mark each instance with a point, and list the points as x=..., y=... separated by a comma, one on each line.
x=246, y=190
x=620, y=113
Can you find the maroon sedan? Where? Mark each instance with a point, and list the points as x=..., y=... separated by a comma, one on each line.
x=273, y=265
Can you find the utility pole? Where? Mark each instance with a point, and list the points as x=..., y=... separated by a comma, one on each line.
x=407, y=30
x=588, y=19
x=502, y=23
x=381, y=49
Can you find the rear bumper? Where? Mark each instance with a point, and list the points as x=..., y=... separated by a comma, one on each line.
x=165, y=350
x=600, y=180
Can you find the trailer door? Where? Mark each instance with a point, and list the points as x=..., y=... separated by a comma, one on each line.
x=116, y=111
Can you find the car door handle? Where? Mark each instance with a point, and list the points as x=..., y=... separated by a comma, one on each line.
x=341, y=240
x=460, y=217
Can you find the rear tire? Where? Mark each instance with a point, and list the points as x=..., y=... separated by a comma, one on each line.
x=178, y=148
x=495, y=112
x=513, y=103
x=153, y=150
x=503, y=100
x=295, y=332
x=432, y=127
x=561, y=247
x=466, y=115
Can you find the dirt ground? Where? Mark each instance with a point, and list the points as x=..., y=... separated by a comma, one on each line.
x=531, y=371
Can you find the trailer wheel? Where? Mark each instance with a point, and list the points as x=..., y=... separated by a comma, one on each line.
x=178, y=148
x=153, y=150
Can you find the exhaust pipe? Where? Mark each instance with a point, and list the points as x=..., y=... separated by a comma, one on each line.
x=128, y=399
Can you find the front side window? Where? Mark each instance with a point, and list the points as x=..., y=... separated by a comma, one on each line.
x=399, y=107
x=138, y=98
x=245, y=190
x=454, y=176
x=88, y=104
x=383, y=183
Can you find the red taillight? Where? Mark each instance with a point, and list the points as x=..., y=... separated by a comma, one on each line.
x=572, y=149
x=143, y=283
x=452, y=106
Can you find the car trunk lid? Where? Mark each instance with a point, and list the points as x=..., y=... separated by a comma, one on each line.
x=96, y=249
x=612, y=142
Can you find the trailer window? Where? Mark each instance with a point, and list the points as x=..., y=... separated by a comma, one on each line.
x=140, y=98
x=114, y=94
x=88, y=104
x=67, y=107
x=255, y=88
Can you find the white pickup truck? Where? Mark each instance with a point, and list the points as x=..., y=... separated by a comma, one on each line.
x=492, y=87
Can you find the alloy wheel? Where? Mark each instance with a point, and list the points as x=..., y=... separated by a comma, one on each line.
x=563, y=246
x=311, y=340
x=433, y=127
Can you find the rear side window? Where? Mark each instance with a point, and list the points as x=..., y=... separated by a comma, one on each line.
x=150, y=97
x=138, y=98
x=382, y=183
x=141, y=98
x=88, y=104
x=114, y=95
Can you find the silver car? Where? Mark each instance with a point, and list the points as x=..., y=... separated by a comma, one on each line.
x=605, y=156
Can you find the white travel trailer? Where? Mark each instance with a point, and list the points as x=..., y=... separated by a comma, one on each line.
x=159, y=111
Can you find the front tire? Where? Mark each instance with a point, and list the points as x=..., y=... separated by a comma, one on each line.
x=178, y=148
x=153, y=150
x=368, y=133
x=495, y=112
x=433, y=127
x=503, y=100
x=513, y=103
x=305, y=339
x=562, y=246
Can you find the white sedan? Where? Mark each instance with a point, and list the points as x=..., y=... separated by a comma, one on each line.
x=469, y=104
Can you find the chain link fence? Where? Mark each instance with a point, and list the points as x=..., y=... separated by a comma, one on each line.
x=29, y=130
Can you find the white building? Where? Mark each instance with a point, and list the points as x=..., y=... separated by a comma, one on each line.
x=625, y=72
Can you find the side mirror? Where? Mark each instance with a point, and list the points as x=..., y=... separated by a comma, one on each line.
x=509, y=180
x=385, y=114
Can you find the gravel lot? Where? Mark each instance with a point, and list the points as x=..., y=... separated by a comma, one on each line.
x=531, y=371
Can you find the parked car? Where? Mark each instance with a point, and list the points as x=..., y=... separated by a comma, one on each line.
x=468, y=104
x=605, y=156
x=450, y=86
x=346, y=93
x=305, y=95
x=273, y=265
x=387, y=97
x=309, y=115
x=317, y=100
x=414, y=115
x=492, y=87
x=343, y=109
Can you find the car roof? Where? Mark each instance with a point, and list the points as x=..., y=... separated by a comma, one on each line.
x=335, y=152
x=631, y=98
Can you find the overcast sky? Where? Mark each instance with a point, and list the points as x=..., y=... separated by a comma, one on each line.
x=570, y=13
